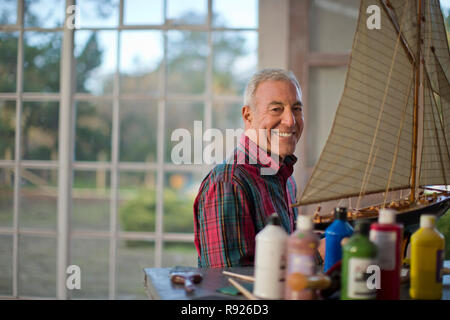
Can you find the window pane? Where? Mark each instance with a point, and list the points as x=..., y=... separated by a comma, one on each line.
x=323, y=107
x=179, y=254
x=143, y=12
x=94, y=13
x=235, y=13
x=96, y=55
x=6, y=252
x=138, y=124
x=44, y=13
x=6, y=197
x=137, y=202
x=91, y=255
x=91, y=200
x=181, y=115
x=131, y=260
x=40, y=130
x=141, y=53
x=8, y=12
x=235, y=60
x=186, y=61
x=187, y=12
x=38, y=198
x=179, y=195
x=93, y=131
x=227, y=115
x=37, y=266
x=8, y=61
x=7, y=129
x=332, y=25
x=42, y=59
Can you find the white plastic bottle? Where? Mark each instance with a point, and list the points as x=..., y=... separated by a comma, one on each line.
x=270, y=260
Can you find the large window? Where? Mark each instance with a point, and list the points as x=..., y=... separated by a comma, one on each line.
x=138, y=70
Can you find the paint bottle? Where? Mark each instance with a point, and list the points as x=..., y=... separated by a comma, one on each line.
x=427, y=259
x=359, y=261
x=334, y=234
x=270, y=260
x=388, y=236
x=301, y=248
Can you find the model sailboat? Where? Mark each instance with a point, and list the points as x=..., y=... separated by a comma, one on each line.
x=392, y=126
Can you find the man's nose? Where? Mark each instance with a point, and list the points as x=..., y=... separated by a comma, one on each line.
x=288, y=117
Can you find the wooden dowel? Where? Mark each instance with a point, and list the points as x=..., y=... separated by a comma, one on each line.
x=241, y=289
x=433, y=189
x=239, y=276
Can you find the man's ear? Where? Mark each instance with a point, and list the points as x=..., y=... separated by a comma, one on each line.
x=247, y=116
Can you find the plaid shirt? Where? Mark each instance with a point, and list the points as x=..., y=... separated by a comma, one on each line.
x=234, y=202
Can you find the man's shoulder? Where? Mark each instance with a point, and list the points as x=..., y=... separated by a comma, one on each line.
x=223, y=172
x=228, y=172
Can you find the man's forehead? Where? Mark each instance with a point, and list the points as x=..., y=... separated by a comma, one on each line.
x=279, y=89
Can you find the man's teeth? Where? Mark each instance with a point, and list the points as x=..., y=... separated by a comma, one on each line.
x=284, y=134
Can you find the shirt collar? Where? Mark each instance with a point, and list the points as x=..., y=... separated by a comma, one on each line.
x=251, y=153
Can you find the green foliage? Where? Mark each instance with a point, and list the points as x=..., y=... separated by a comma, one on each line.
x=133, y=125
x=178, y=211
x=8, y=61
x=41, y=63
x=139, y=214
x=42, y=115
x=443, y=225
x=42, y=72
x=7, y=134
x=89, y=59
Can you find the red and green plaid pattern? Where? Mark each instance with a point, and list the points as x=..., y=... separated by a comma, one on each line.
x=234, y=202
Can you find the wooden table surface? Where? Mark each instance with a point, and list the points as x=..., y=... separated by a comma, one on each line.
x=158, y=286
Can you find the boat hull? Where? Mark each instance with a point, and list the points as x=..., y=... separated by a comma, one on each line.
x=407, y=218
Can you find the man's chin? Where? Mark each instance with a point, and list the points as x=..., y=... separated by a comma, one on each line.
x=285, y=151
x=284, y=154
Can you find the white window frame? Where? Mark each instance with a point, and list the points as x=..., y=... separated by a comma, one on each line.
x=269, y=31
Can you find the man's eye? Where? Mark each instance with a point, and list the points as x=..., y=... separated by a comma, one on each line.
x=297, y=109
x=276, y=109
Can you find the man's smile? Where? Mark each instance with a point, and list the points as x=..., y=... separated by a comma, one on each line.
x=283, y=134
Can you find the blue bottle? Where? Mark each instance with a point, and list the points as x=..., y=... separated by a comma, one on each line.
x=334, y=234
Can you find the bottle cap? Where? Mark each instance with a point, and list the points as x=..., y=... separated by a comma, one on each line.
x=340, y=213
x=304, y=222
x=427, y=221
x=274, y=219
x=362, y=227
x=386, y=216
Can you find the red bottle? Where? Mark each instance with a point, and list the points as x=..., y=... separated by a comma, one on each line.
x=388, y=237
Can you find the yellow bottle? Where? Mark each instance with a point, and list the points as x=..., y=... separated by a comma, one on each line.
x=427, y=258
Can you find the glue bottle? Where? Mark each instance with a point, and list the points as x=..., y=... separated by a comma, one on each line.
x=300, y=251
x=358, y=263
x=334, y=234
x=270, y=260
x=388, y=235
x=427, y=258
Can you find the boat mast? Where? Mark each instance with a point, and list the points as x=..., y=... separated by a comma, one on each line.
x=416, y=106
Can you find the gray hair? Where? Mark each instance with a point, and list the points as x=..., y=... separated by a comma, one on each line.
x=267, y=75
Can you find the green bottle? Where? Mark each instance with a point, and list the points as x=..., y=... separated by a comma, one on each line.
x=360, y=272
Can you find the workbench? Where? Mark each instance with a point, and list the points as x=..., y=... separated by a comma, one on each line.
x=158, y=286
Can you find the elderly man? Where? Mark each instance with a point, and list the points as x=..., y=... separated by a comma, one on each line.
x=236, y=197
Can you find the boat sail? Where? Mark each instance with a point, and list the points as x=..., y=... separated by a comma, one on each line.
x=392, y=126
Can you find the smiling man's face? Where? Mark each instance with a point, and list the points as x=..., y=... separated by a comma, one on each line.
x=277, y=105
